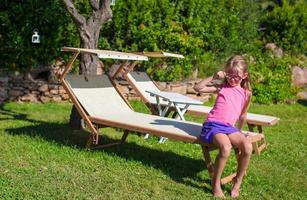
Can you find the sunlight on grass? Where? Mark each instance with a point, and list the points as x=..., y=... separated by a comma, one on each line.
x=42, y=158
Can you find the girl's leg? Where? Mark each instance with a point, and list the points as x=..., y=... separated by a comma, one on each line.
x=239, y=141
x=223, y=143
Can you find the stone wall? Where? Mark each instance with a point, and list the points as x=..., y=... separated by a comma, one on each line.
x=21, y=88
x=41, y=85
x=33, y=87
x=37, y=88
x=184, y=87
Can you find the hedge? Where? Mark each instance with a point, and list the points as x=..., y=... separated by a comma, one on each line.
x=206, y=32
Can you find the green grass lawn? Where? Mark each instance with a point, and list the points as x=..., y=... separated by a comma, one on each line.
x=42, y=158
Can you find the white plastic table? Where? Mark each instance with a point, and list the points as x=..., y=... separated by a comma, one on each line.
x=178, y=101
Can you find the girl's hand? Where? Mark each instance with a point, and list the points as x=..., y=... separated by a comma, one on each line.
x=211, y=84
x=219, y=75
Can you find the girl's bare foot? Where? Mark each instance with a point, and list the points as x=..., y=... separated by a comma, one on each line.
x=236, y=188
x=218, y=192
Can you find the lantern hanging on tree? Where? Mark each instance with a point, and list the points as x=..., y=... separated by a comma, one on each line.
x=35, y=37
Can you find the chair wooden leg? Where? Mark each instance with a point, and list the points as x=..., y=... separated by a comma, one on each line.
x=256, y=148
x=258, y=141
x=93, y=138
x=262, y=145
x=124, y=137
x=259, y=144
x=121, y=141
x=228, y=179
x=251, y=127
x=207, y=159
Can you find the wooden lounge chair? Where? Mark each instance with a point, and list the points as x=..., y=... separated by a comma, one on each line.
x=140, y=81
x=99, y=104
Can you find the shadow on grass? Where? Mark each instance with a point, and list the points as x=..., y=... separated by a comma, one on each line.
x=9, y=114
x=180, y=168
x=302, y=102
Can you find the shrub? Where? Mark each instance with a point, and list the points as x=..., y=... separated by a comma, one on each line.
x=197, y=29
x=206, y=32
x=19, y=19
x=271, y=79
x=286, y=26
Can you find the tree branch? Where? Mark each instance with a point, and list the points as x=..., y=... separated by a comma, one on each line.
x=102, y=15
x=78, y=19
x=95, y=4
x=105, y=9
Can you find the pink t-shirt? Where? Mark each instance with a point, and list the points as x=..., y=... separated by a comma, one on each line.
x=229, y=105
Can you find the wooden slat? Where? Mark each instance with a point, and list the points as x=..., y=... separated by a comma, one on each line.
x=160, y=54
x=69, y=65
x=107, y=53
x=143, y=129
x=253, y=119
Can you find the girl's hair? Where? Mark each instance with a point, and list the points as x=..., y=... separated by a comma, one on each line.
x=237, y=63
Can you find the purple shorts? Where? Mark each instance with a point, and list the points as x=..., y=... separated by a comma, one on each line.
x=211, y=128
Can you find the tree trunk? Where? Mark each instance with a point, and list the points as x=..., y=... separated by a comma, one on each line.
x=89, y=40
x=75, y=119
x=88, y=65
x=89, y=30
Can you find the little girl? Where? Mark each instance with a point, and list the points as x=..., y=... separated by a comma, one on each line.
x=232, y=102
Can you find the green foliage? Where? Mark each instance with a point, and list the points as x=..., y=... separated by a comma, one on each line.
x=286, y=26
x=271, y=79
x=206, y=32
x=196, y=29
x=19, y=19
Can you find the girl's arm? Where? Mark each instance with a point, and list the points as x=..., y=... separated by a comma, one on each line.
x=242, y=119
x=211, y=84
